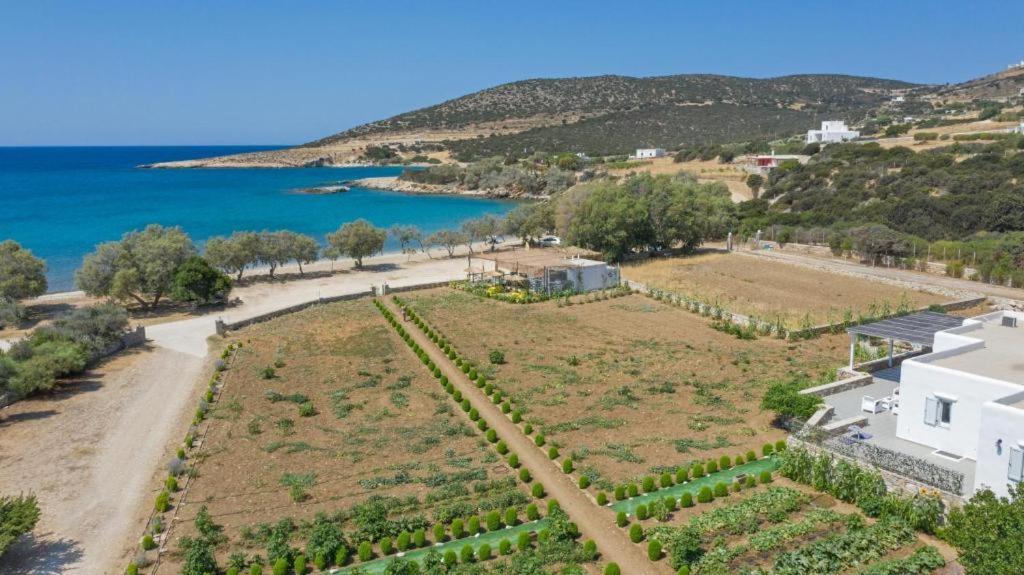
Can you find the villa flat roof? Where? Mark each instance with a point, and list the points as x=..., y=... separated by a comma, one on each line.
x=1001, y=358
x=917, y=327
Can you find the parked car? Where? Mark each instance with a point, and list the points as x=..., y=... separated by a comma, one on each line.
x=550, y=241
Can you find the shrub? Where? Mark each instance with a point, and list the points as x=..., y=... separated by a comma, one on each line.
x=724, y=462
x=523, y=542
x=767, y=449
x=505, y=547
x=567, y=466
x=450, y=558
x=524, y=475
x=620, y=493
x=552, y=506
x=473, y=413
x=132, y=569
x=721, y=489
x=751, y=456
x=493, y=520
x=632, y=490
x=684, y=570
x=403, y=540
x=171, y=484
x=163, y=502
x=681, y=475
x=511, y=516
x=697, y=470
x=419, y=538
x=532, y=513
x=666, y=480
x=765, y=477
x=750, y=481
x=612, y=569
x=517, y=416
x=458, y=529
x=492, y=436
x=712, y=467
x=481, y=425
x=654, y=550
x=528, y=429
x=300, y=565
x=621, y=519
x=736, y=486
x=537, y=490
x=501, y=448
x=704, y=495
x=641, y=512
x=341, y=555
x=473, y=374
x=386, y=546
x=473, y=525
x=740, y=460
x=686, y=500
x=513, y=461
x=466, y=554
x=280, y=566
x=602, y=499
x=553, y=453
x=539, y=440
x=255, y=569
x=780, y=446
x=506, y=407
x=496, y=357
x=589, y=550
x=439, y=533
x=636, y=533
x=648, y=484
x=148, y=543
x=484, y=552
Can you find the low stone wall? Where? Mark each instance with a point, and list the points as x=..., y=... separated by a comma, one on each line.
x=858, y=380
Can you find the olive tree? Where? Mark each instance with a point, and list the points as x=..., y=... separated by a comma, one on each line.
x=235, y=253
x=357, y=240
x=139, y=267
x=197, y=281
x=449, y=239
x=22, y=275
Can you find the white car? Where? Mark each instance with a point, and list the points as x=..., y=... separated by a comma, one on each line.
x=550, y=241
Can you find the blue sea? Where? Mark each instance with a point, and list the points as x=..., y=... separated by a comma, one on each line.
x=60, y=202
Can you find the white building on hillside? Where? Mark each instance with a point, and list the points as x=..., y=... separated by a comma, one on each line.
x=647, y=153
x=1019, y=129
x=831, y=131
x=965, y=399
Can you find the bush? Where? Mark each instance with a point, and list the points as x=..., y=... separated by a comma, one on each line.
x=785, y=399
x=666, y=480
x=740, y=460
x=473, y=525
x=280, y=566
x=751, y=456
x=612, y=569
x=712, y=467
x=750, y=481
x=403, y=540
x=767, y=449
x=493, y=520
x=450, y=558
x=602, y=499
x=567, y=466
x=132, y=569
x=686, y=500
x=780, y=446
x=300, y=565
x=641, y=512
x=492, y=436
x=511, y=516
x=584, y=481
x=724, y=462
x=539, y=440
x=386, y=547
x=473, y=413
x=528, y=429
x=620, y=493
x=148, y=543
x=163, y=502
x=513, y=461
x=517, y=416
x=458, y=529
x=684, y=570
x=721, y=489
x=681, y=475
x=419, y=538
x=636, y=533
x=697, y=470
x=632, y=490
x=537, y=490
x=171, y=484
x=765, y=477
x=506, y=407
x=496, y=357
x=553, y=453
x=439, y=535
x=621, y=519
x=654, y=550
x=736, y=486
x=589, y=550
x=255, y=569
x=648, y=484
x=532, y=513
x=524, y=475
x=704, y=495
x=484, y=552
x=365, y=551
x=523, y=542
x=505, y=547
x=501, y=448
x=341, y=555
x=466, y=554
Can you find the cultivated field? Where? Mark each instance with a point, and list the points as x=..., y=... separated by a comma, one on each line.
x=327, y=411
x=625, y=385
x=772, y=289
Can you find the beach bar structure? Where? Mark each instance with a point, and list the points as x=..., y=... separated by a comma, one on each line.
x=545, y=270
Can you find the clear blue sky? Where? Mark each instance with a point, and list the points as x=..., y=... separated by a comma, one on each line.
x=225, y=72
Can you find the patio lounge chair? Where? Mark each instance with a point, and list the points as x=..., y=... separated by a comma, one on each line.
x=871, y=405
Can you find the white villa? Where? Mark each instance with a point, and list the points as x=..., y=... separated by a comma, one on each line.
x=966, y=398
x=647, y=153
x=1020, y=129
x=831, y=131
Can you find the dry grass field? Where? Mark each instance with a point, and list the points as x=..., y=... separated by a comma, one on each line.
x=626, y=385
x=731, y=175
x=771, y=289
x=324, y=411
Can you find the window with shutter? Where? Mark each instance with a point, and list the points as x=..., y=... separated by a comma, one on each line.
x=931, y=411
x=1016, y=472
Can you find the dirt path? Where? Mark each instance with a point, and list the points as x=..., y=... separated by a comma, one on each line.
x=91, y=454
x=597, y=523
x=920, y=280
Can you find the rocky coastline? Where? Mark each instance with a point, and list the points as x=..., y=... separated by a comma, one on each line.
x=394, y=184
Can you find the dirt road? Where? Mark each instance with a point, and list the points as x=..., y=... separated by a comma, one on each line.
x=597, y=523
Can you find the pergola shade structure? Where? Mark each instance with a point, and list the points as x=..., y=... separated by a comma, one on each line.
x=917, y=328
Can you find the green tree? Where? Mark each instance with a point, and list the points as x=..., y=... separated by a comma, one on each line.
x=448, y=239
x=754, y=182
x=197, y=281
x=988, y=533
x=357, y=240
x=785, y=399
x=18, y=516
x=22, y=275
x=139, y=267
x=235, y=253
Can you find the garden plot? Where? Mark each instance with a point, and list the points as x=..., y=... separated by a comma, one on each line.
x=626, y=386
x=770, y=290
x=326, y=412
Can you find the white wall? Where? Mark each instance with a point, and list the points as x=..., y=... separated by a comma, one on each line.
x=1001, y=422
x=920, y=380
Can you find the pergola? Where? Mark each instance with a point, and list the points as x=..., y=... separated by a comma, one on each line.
x=917, y=328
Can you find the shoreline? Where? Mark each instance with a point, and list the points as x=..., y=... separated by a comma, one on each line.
x=393, y=184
